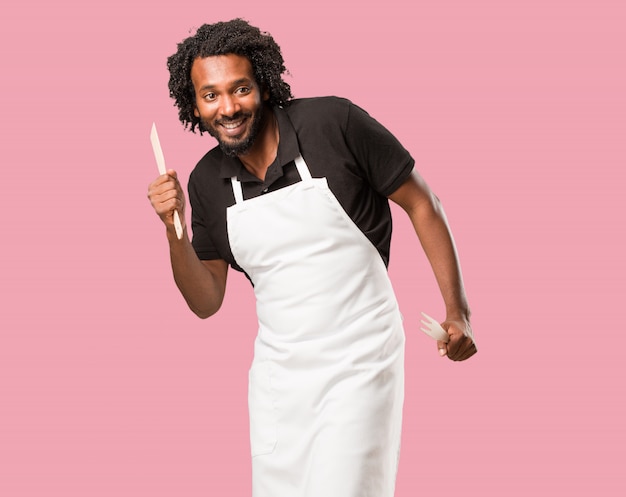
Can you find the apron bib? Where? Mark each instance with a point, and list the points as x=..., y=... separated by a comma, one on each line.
x=326, y=385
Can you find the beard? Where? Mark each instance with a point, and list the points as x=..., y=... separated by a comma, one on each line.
x=237, y=146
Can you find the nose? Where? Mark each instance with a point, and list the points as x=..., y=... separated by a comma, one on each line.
x=229, y=106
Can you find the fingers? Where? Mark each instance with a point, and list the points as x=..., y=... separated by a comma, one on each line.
x=442, y=347
x=461, y=345
x=465, y=349
x=165, y=181
x=166, y=195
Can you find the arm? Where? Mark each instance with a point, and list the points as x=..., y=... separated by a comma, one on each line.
x=431, y=226
x=202, y=283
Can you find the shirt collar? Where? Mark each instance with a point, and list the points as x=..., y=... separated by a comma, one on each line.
x=288, y=150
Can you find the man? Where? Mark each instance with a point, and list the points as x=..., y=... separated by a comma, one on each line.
x=296, y=196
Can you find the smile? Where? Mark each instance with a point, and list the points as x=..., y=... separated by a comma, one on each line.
x=233, y=129
x=232, y=125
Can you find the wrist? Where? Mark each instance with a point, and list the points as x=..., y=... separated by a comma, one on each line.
x=458, y=314
x=172, y=236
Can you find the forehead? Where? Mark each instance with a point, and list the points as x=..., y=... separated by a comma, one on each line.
x=220, y=70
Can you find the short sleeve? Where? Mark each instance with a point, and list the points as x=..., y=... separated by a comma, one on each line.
x=385, y=162
x=201, y=241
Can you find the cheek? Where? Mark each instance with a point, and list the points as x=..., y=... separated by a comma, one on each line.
x=256, y=103
x=204, y=111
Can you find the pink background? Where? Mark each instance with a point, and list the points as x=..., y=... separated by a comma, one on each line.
x=516, y=114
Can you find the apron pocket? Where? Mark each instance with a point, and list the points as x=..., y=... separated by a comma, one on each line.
x=261, y=408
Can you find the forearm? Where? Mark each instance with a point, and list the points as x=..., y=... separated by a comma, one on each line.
x=202, y=284
x=431, y=226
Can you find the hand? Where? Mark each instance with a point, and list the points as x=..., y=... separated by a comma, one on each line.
x=166, y=196
x=461, y=344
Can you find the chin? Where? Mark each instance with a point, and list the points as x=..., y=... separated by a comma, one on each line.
x=236, y=148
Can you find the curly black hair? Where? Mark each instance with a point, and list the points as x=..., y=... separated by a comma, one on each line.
x=231, y=37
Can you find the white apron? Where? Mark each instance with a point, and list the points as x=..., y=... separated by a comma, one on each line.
x=326, y=384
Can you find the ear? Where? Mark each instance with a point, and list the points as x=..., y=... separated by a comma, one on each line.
x=195, y=111
x=266, y=94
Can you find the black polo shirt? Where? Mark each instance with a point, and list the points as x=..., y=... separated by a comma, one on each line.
x=362, y=161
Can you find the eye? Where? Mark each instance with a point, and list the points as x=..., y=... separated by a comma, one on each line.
x=242, y=90
x=209, y=96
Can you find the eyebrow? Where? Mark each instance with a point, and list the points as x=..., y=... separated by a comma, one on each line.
x=232, y=84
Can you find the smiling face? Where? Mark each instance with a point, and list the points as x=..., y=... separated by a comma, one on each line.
x=229, y=102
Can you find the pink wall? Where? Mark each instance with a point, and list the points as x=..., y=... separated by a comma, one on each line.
x=516, y=114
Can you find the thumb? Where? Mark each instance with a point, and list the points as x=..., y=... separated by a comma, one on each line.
x=172, y=173
x=443, y=348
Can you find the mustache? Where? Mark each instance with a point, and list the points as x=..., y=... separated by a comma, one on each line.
x=234, y=118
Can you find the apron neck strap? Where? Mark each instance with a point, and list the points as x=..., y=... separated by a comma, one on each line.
x=303, y=170
x=237, y=189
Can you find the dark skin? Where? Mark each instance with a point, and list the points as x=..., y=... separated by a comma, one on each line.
x=431, y=226
x=227, y=97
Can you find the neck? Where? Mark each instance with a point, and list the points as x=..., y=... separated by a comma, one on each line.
x=265, y=147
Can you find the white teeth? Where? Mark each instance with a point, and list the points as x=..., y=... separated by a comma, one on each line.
x=232, y=125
